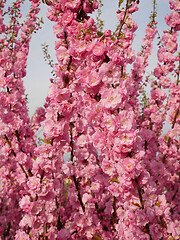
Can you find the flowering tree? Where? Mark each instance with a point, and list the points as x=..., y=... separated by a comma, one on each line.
x=122, y=180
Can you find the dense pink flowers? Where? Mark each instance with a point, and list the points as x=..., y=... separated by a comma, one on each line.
x=21, y=235
x=25, y=204
x=111, y=98
x=103, y=168
x=99, y=49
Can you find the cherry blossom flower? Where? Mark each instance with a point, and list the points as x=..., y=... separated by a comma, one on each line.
x=25, y=204
x=21, y=235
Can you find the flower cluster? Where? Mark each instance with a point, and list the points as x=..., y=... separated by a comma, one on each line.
x=121, y=179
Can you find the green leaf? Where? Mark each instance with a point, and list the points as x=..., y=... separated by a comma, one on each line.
x=44, y=140
x=41, y=20
x=158, y=203
x=137, y=205
x=67, y=183
x=114, y=179
x=99, y=33
x=95, y=237
x=120, y=2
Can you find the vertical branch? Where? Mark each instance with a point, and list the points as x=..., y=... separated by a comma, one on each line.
x=114, y=213
x=146, y=229
x=139, y=193
x=123, y=21
x=74, y=177
x=175, y=117
x=13, y=152
x=71, y=141
x=154, y=11
x=45, y=232
x=79, y=195
x=100, y=22
x=178, y=71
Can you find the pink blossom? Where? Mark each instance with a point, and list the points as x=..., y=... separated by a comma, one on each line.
x=144, y=178
x=177, y=5
x=109, y=122
x=67, y=17
x=21, y=235
x=131, y=25
x=165, y=81
x=141, y=217
x=125, y=120
x=58, y=29
x=52, y=129
x=109, y=209
x=99, y=49
x=161, y=205
x=158, y=72
x=93, y=79
x=173, y=20
x=21, y=157
x=156, y=231
x=174, y=229
x=62, y=55
x=99, y=139
x=86, y=197
x=95, y=187
x=90, y=22
x=33, y=183
x=129, y=35
x=158, y=94
x=87, y=7
x=80, y=46
x=120, y=15
x=72, y=4
x=2, y=26
x=129, y=164
x=107, y=33
x=108, y=167
x=109, y=73
x=82, y=140
x=114, y=189
x=130, y=55
x=63, y=234
x=122, y=182
x=95, y=4
x=111, y=98
x=133, y=8
x=124, y=141
x=25, y=204
x=150, y=32
x=27, y=220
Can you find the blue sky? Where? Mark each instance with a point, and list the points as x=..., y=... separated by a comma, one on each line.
x=39, y=73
